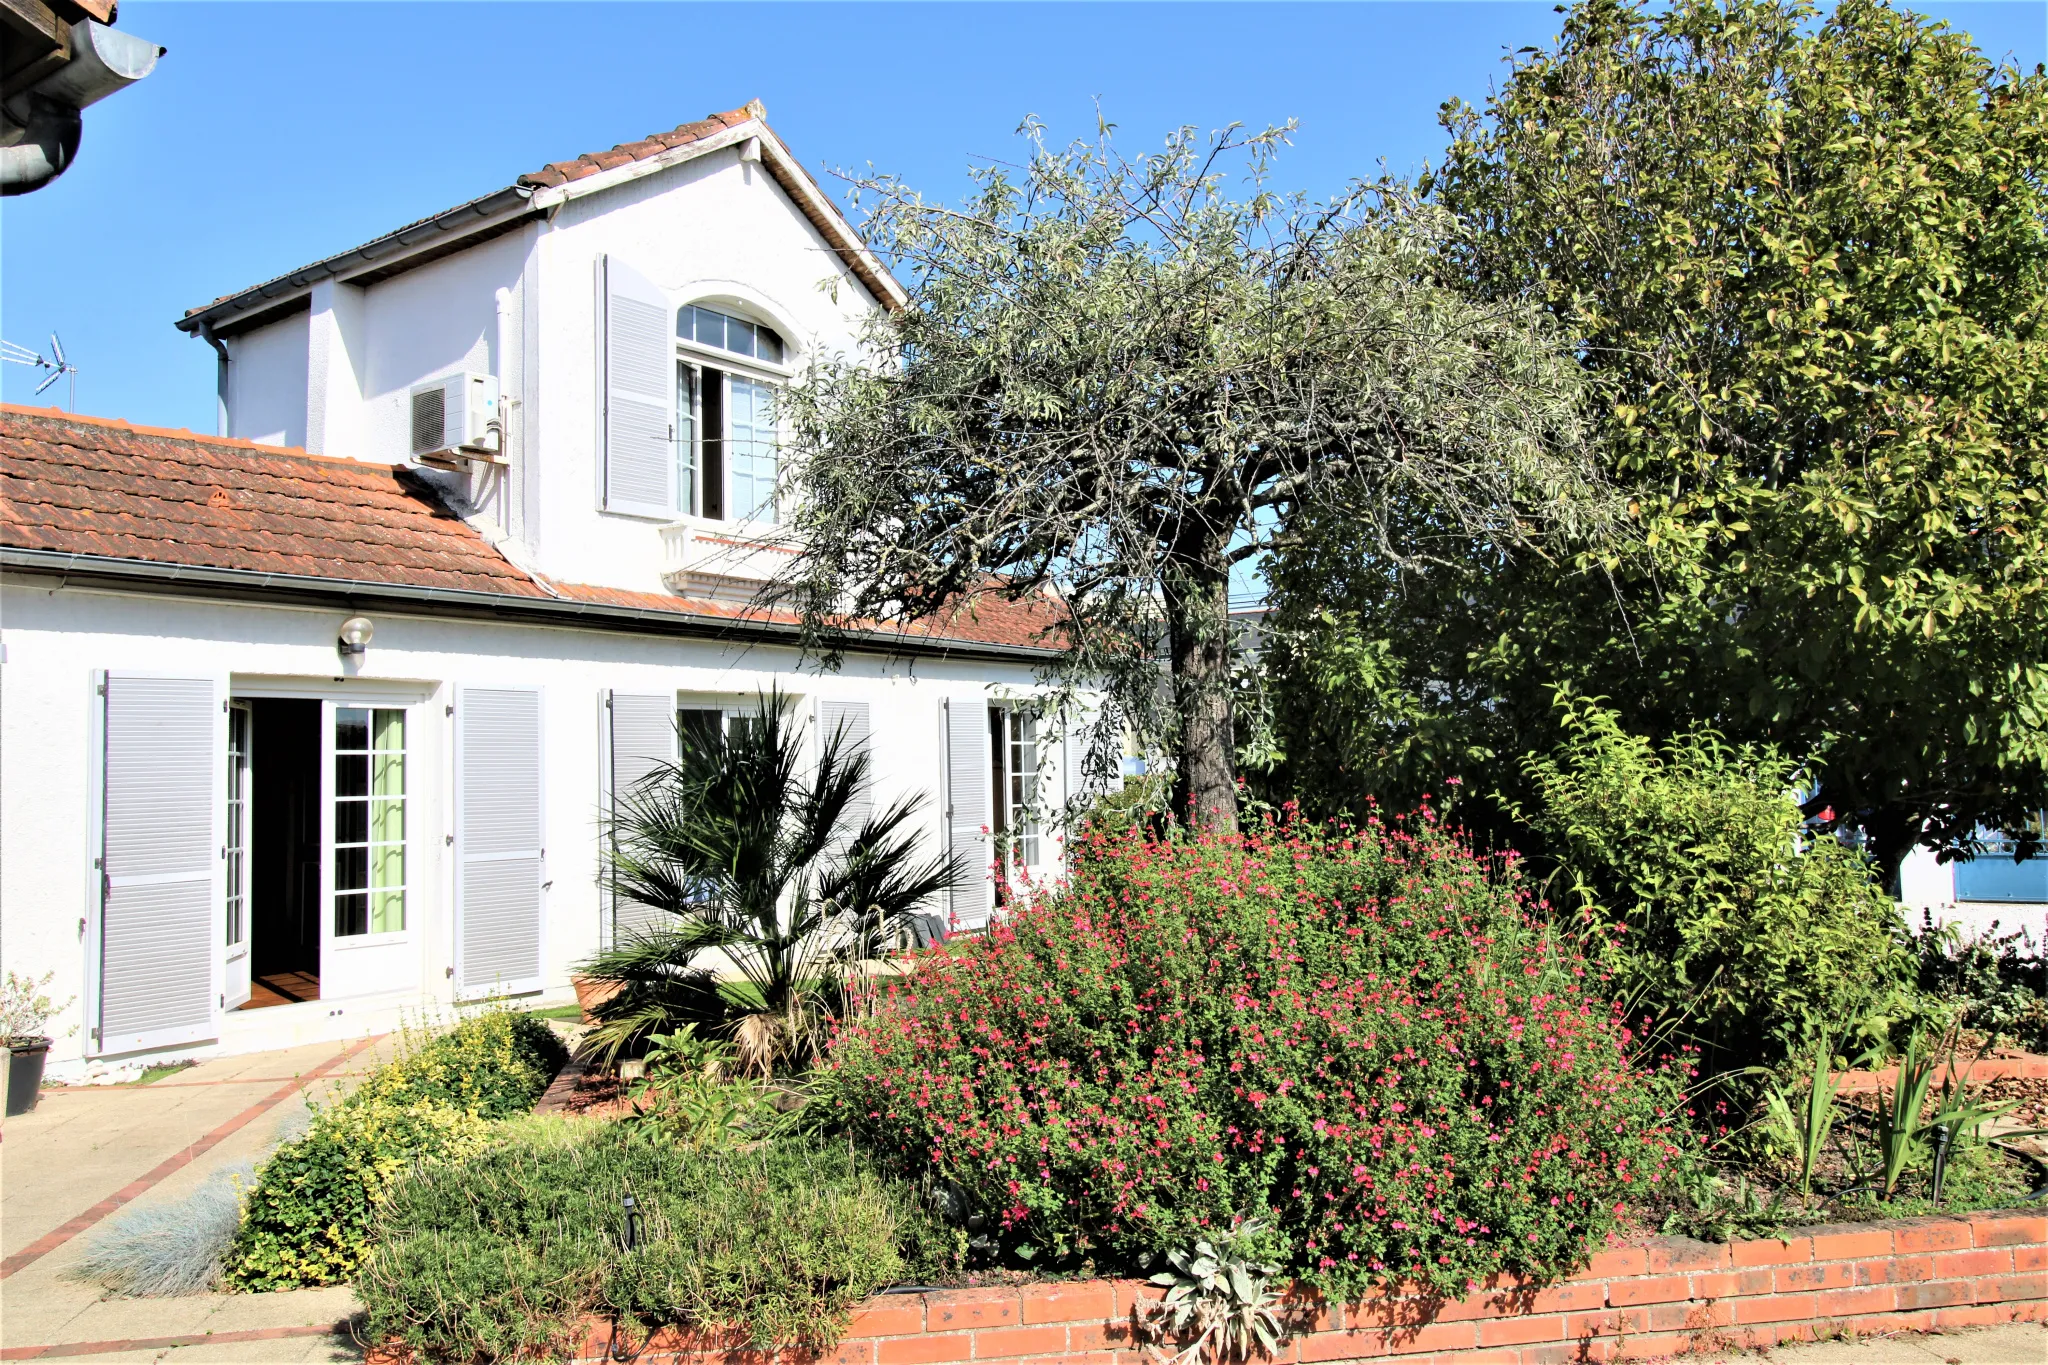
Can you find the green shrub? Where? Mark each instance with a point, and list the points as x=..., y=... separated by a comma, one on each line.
x=501, y=1255
x=494, y=1064
x=1734, y=924
x=1365, y=1041
x=308, y=1219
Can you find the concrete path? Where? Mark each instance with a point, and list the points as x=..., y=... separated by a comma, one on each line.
x=87, y=1152
x=2019, y=1343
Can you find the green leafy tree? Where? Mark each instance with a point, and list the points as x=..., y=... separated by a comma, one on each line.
x=1114, y=381
x=1717, y=910
x=1805, y=265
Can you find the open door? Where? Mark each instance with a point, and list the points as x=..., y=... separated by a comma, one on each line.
x=156, y=962
x=500, y=841
x=235, y=867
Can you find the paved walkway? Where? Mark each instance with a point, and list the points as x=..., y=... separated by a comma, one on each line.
x=2019, y=1343
x=86, y=1152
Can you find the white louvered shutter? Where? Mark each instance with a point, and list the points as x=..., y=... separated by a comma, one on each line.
x=160, y=857
x=500, y=844
x=643, y=736
x=851, y=718
x=969, y=783
x=639, y=396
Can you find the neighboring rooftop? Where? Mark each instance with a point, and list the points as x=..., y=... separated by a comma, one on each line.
x=93, y=494
x=491, y=215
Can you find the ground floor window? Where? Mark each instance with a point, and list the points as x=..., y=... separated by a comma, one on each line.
x=1013, y=747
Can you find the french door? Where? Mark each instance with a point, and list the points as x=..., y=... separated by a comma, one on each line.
x=235, y=869
x=366, y=939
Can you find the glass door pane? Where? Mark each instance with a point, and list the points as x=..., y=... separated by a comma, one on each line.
x=236, y=872
x=369, y=820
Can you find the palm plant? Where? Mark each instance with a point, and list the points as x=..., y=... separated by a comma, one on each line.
x=751, y=854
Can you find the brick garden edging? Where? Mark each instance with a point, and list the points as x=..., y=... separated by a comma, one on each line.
x=1661, y=1297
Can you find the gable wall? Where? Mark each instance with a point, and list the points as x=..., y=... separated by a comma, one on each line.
x=708, y=228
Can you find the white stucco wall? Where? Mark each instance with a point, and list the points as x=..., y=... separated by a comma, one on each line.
x=708, y=229
x=56, y=637
x=267, y=382
x=1927, y=884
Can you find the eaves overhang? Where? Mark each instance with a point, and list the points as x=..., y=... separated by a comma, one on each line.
x=415, y=244
x=215, y=584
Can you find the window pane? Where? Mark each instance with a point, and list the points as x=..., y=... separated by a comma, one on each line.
x=351, y=869
x=686, y=439
x=767, y=344
x=387, y=912
x=750, y=458
x=387, y=821
x=387, y=774
x=351, y=774
x=698, y=724
x=390, y=731
x=351, y=729
x=351, y=822
x=351, y=915
x=710, y=328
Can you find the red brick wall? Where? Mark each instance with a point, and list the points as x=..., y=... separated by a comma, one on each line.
x=1662, y=1297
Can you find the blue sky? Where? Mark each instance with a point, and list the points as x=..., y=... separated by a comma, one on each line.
x=276, y=133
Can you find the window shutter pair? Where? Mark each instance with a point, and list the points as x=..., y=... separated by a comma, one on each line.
x=638, y=366
x=500, y=841
x=157, y=968
x=641, y=732
x=969, y=779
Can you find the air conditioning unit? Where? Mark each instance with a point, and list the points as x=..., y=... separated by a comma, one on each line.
x=455, y=421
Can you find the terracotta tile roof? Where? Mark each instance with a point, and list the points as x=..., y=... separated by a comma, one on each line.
x=99, y=487
x=654, y=144
x=797, y=182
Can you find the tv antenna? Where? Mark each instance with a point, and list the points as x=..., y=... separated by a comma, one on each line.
x=58, y=368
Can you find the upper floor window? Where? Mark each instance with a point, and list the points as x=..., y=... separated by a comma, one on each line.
x=726, y=451
x=725, y=332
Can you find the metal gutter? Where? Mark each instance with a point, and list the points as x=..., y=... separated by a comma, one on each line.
x=148, y=576
x=459, y=219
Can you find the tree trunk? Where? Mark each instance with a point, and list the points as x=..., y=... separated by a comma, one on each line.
x=1198, y=628
x=1889, y=834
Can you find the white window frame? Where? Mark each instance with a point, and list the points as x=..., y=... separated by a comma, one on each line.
x=330, y=939
x=698, y=358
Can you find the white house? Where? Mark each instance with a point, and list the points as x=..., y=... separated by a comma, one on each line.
x=313, y=721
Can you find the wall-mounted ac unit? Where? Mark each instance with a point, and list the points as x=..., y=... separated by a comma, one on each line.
x=455, y=420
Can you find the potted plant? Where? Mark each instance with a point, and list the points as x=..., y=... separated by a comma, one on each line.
x=23, y=1014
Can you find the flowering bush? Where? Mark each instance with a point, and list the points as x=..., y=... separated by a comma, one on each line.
x=1367, y=1039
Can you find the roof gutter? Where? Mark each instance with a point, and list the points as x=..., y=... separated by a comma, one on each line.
x=143, y=575
x=460, y=219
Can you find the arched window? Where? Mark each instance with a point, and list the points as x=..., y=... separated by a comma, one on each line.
x=726, y=447
x=729, y=332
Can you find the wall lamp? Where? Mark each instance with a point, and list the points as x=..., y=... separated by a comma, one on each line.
x=355, y=637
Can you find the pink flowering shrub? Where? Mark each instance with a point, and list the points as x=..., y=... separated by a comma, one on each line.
x=1367, y=1038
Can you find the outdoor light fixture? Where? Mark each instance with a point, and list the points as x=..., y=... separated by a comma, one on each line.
x=632, y=1222
x=355, y=636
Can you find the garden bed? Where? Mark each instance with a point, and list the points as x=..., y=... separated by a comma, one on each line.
x=1662, y=1296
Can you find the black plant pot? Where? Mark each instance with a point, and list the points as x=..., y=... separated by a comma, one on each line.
x=25, y=1074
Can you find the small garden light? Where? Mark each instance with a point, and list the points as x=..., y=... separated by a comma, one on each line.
x=632, y=1222
x=355, y=636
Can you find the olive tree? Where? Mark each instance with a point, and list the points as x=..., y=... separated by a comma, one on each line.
x=1117, y=379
